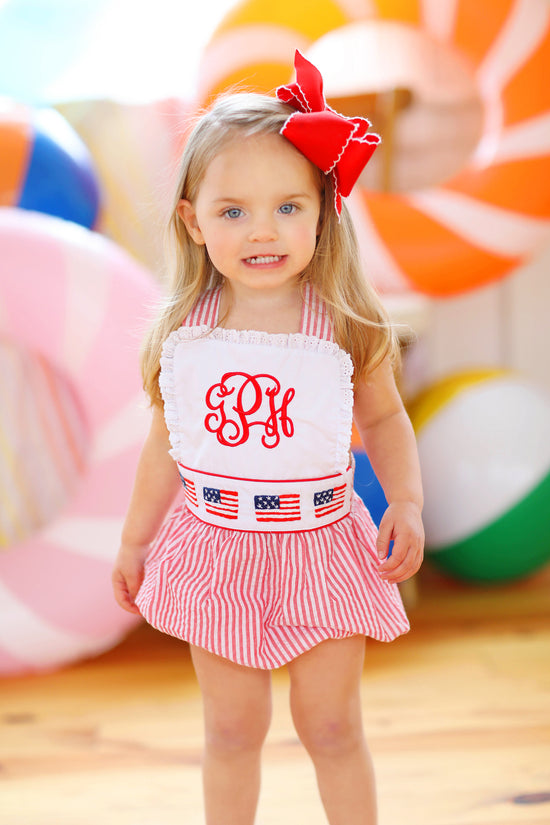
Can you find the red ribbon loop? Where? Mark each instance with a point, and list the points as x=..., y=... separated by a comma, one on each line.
x=336, y=144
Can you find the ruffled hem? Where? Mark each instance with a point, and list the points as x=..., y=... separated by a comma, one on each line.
x=262, y=599
x=294, y=341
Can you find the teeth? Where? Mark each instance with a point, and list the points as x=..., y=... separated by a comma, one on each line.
x=264, y=259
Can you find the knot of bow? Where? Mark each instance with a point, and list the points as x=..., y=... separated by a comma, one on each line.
x=336, y=144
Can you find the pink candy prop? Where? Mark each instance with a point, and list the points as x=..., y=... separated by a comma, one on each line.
x=72, y=421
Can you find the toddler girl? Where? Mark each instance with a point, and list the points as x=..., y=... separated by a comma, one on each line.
x=270, y=343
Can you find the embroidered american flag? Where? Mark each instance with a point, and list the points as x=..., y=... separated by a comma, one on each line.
x=190, y=490
x=329, y=501
x=224, y=503
x=277, y=508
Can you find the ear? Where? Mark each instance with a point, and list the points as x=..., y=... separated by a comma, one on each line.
x=188, y=215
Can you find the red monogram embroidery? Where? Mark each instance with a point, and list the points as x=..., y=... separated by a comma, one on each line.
x=237, y=398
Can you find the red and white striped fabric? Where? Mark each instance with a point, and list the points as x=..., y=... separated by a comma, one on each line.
x=262, y=598
x=315, y=318
x=205, y=312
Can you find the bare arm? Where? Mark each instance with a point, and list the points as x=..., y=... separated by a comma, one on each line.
x=156, y=485
x=388, y=438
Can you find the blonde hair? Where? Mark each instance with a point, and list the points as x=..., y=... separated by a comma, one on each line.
x=361, y=325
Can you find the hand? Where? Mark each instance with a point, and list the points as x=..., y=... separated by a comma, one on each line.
x=128, y=575
x=401, y=522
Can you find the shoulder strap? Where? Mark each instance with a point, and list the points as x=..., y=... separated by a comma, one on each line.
x=316, y=320
x=206, y=310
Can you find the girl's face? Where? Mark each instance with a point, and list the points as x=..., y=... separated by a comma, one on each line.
x=257, y=210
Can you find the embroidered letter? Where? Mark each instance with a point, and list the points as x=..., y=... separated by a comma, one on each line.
x=237, y=398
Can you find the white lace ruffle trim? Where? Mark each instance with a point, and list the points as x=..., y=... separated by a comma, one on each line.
x=293, y=341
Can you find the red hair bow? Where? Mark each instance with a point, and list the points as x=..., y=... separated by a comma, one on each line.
x=331, y=141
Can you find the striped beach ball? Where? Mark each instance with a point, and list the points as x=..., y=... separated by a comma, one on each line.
x=72, y=423
x=135, y=193
x=44, y=165
x=484, y=444
x=486, y=217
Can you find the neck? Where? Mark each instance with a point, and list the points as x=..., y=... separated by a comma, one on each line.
x=274, y=311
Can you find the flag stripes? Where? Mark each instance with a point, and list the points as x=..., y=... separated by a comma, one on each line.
x=190, y=489
x=267, y=507
x=277, y=508
x=329, y=501
x=224, y=503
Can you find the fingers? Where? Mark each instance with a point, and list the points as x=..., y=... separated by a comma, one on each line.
x=405, y=560
x=403, y=525
x=123, y=595
x=395, y=571
x=385, y=535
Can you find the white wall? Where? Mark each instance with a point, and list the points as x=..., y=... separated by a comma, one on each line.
x=503, y=325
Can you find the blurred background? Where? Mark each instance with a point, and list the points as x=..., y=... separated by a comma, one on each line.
x=453, y=221
x=452, y=217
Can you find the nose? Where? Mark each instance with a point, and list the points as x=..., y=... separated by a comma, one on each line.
x=263, y=229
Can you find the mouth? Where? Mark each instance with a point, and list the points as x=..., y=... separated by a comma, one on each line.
x=263, y=260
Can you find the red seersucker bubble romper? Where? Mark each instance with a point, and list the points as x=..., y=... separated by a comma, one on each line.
x=271, y=552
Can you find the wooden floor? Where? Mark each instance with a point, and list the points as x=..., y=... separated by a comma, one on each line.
x=457, y=714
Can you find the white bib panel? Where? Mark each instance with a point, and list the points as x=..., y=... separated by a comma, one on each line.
x=260, y=426
x=257, y=405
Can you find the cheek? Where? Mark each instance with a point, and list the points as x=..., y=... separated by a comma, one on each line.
x=217, y=242
x=217, y=256
x=306, y=238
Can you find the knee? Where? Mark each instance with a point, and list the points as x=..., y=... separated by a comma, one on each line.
x=231, y=734
x=330, y=737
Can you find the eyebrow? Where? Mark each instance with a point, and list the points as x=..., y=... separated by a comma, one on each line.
x=291, y=197
x=228, y=200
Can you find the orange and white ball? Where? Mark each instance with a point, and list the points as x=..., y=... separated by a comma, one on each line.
x=492, y=214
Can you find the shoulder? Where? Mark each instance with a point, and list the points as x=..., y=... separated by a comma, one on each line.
x=376, y=395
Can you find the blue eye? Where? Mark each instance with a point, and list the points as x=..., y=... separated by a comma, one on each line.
x=233, y=212
x=287, y=208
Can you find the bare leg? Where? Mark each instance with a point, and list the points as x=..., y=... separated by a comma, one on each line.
x=326, y=708
x=237, y=713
